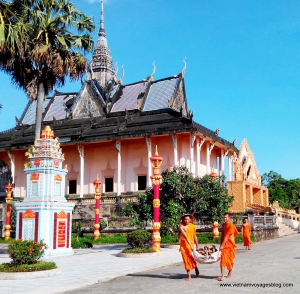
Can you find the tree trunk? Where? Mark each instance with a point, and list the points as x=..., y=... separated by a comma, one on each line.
x=39, y=110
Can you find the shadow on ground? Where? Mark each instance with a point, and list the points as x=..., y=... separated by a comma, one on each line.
x=170, y=276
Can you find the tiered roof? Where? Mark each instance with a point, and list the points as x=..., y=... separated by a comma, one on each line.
x=109, y=110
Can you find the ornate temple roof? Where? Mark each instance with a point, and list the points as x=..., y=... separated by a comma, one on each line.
x=104, y=109
x=102, y=65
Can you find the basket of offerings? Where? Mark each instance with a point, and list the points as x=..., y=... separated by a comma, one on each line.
x=207, y=254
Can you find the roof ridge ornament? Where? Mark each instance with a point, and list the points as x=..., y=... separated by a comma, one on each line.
x=120, y=81
x=184, y=67
x=116, y=69
x=154, y=71
x=150, y=78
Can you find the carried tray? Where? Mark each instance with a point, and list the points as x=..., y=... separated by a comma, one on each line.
x=206, y=259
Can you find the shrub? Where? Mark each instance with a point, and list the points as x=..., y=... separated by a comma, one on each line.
x=39, y=266
x=25, y=251
x=169, y=240
x=79, y=244
x=103, y=224
x=138, y=238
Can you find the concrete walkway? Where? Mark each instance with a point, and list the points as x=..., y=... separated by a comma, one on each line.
x=87, y=267
x=271, y=261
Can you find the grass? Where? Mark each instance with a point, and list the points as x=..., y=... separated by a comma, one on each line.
x=138, y=250
x=204, y=238
x=3, y=241
x=39, y=266
x=103, y=239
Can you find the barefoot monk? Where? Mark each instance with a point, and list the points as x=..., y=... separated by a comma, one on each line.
x=187, y=241
x=246, y=232
x=227, y=247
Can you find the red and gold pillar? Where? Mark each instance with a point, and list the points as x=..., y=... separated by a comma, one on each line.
x=156, y=162
x=8, y=190
x=97, y=184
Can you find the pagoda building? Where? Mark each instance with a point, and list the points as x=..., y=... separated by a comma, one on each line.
x=111, y=129
x=102, y=65
x=44, y=214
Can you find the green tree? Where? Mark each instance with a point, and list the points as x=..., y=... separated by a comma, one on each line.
x=181, y=193
x=13, y=32
x=286, y=192
x=52, y=51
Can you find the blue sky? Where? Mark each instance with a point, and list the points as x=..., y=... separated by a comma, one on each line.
x=242, y=73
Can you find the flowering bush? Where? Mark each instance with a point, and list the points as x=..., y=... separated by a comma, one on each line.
x=25, y=251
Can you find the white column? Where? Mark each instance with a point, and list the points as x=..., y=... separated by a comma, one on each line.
x=207, y=158
x=198, y=156
x=118, y=147
x=175, y=150
x=209, y=148
x=199, y=143
x=12, y=165
x=192, y=161
x=229, y=169
x=81, y=155
x=222, y=163
x=149, y=172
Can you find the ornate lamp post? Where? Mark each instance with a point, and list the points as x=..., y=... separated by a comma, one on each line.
x=156, y=162
x=97, y=184
x=8, y=190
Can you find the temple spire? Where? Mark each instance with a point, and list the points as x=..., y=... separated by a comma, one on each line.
x=102, y=65
x=102, y=30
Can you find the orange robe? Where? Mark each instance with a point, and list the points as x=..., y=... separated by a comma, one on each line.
x=246, y=234
x=228, y=251
x=185, y=248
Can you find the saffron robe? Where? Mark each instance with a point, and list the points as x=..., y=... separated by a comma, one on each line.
x=228, y=251
x=246, y=234
x=185, y=248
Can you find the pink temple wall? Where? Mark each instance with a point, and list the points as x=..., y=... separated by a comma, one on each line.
x=133, y=151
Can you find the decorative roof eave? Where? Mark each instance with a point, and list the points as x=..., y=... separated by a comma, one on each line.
x=209, y=133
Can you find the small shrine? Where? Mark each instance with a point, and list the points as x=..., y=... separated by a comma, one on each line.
x=45, y=214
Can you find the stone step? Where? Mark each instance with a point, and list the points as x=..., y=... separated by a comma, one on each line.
x=285, y=230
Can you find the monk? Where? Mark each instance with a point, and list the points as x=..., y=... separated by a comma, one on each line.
x=187, y=241
x=227, y=247
x=246, y=232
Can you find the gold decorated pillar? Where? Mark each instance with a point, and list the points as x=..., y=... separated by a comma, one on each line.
x=8, y=190
x=156, y=162
x=97, y=184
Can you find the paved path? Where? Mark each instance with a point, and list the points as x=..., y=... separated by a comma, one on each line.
x=87, y=267
x=274, y=261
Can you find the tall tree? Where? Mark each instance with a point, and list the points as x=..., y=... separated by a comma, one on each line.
x=59, y=35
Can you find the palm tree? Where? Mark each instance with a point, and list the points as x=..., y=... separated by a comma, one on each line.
x=52, y=51
x=13, y=32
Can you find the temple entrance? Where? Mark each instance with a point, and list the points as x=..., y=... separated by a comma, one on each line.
x=5, y=177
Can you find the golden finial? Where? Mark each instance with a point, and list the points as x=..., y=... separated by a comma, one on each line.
x=156, y=153
x=97, y=177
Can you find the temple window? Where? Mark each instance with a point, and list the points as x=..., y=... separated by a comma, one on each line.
x=142, y=182
x=109, y=184
x=72, y=186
